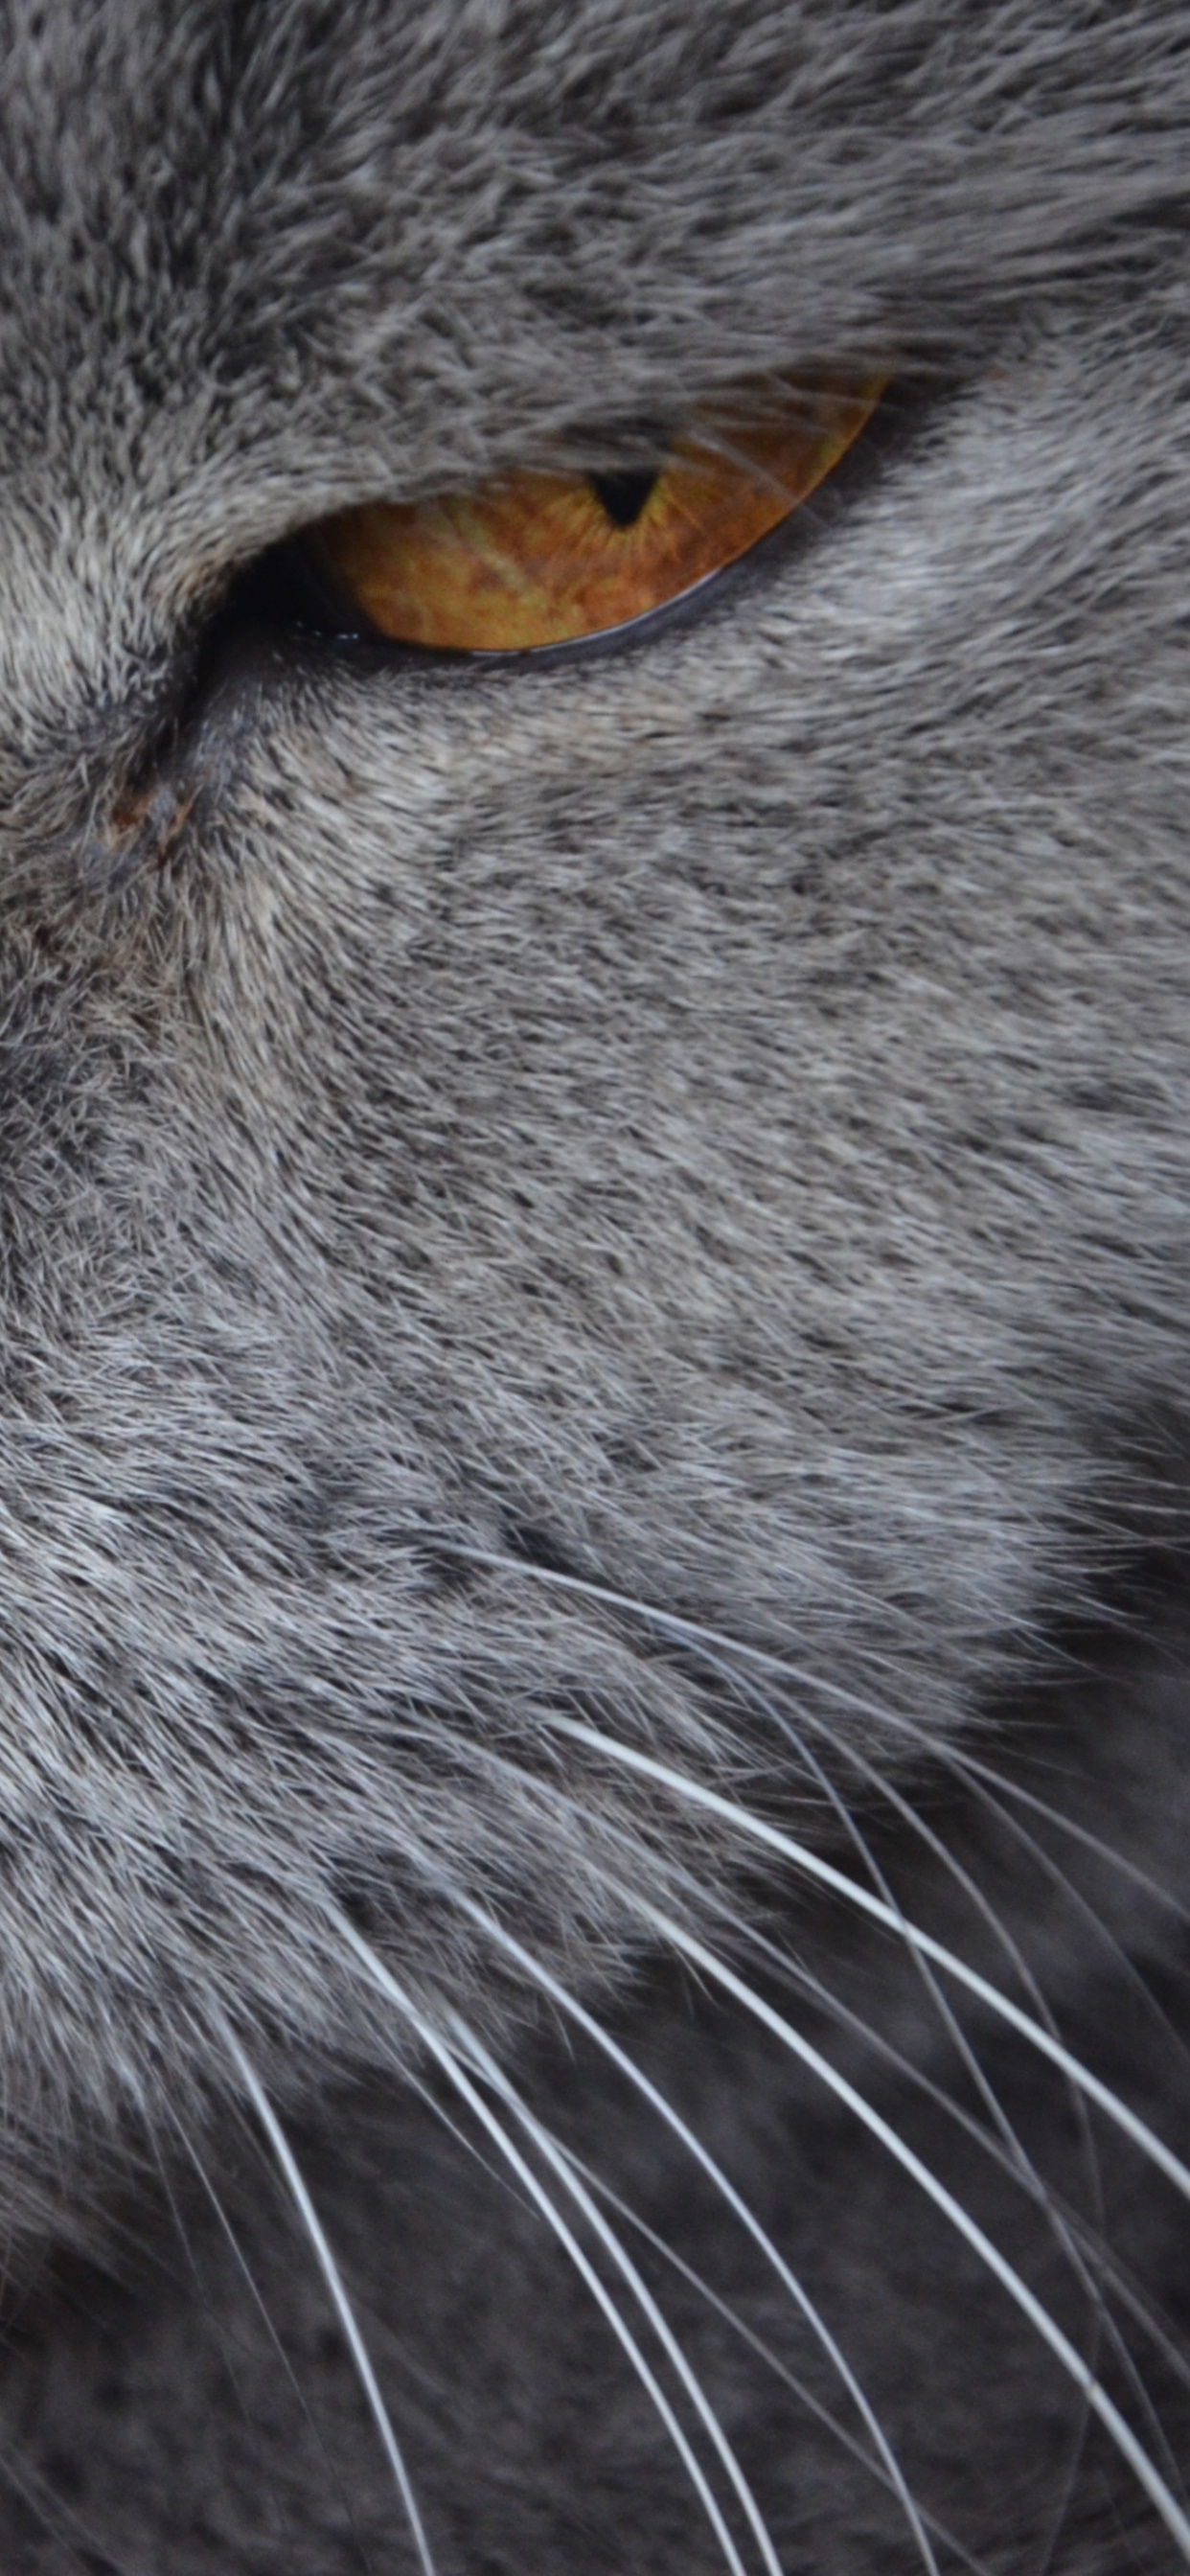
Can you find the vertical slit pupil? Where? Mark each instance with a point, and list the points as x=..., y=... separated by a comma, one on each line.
x=623, y=495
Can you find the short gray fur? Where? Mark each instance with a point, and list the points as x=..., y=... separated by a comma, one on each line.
x=708, y=1121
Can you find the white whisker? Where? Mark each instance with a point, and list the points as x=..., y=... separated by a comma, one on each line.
x=668, y=1623
x=903, y=1807
x=692, y=1632
x=445, y=2057
x=1074, y=1896
x=958, y=1758
x=257, y=2296
x=946, y=2014
x=651, y=2093
x=1151, y=2320
x=756, y=1829
x=974, y=1777
x=1090, y=2257
x=337, y=2288
x=561, y=2163
x=1144, y=2469
x=1084, y=2247
x=772, y=2360
x=209, y=2308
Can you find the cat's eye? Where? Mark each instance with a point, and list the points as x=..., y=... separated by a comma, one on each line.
x=544, y=559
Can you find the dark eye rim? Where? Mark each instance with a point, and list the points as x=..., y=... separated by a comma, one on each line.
x=285, y=600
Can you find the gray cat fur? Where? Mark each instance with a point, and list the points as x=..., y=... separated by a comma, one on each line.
x=709, y=1120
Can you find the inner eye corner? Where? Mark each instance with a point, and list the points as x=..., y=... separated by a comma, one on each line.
x=289, y=588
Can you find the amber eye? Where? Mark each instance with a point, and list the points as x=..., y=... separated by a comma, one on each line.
x=547, y=558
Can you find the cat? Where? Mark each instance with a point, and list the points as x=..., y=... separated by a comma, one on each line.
x=594, y=1773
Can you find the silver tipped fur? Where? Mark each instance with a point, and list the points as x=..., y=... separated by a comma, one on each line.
x=594, y=1262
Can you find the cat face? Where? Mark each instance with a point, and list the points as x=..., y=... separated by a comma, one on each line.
x=542, y=1195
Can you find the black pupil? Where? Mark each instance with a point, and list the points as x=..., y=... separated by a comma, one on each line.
x=623, y=495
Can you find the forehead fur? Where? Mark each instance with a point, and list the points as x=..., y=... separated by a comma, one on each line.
x=394, y=242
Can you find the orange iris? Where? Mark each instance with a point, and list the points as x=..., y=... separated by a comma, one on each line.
x=544, y=558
